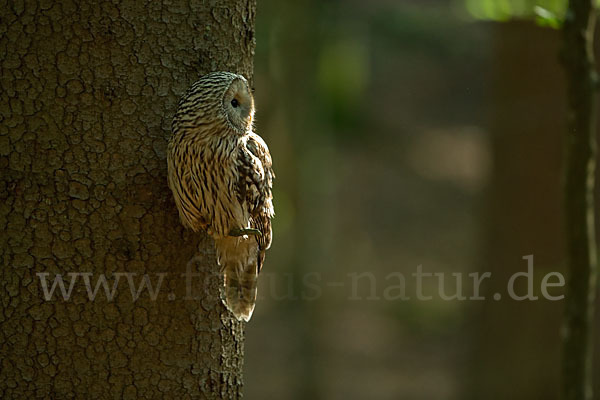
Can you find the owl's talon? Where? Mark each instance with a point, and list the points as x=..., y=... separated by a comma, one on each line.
x=245, y=231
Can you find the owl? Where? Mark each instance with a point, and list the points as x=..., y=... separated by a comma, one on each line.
x=221, y=176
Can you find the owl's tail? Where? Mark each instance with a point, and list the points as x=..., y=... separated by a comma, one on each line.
x=238, y=258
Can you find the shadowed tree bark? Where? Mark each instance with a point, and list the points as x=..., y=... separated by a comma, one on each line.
x=87, y=94
x=578, y=56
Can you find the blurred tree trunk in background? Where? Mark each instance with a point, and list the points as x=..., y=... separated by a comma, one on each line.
x=88, y=93
x=516, y=352
x=309, y=243
x=580, y=165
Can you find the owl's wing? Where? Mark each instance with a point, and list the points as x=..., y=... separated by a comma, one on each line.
x=256, y=183
x=186, y=192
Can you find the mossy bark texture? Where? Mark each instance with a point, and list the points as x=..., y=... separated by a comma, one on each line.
x=88, y=90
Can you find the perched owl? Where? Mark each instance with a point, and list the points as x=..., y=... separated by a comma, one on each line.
x=220, y=174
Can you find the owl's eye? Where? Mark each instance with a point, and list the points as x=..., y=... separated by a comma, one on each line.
x=235, y=103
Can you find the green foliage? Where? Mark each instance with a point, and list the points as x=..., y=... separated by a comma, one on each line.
x=343, y=76
x=548, y=13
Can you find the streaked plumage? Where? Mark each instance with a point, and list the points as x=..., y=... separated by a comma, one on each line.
x=221, y=176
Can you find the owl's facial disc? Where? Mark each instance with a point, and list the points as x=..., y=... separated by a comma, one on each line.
x=239, y=105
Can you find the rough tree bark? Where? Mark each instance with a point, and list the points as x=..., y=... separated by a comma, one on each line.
x=88, y=90
x=578, y=56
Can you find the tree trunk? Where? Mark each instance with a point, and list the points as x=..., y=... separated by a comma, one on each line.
x=516, y=343
x=580, y=164
x=87, y=95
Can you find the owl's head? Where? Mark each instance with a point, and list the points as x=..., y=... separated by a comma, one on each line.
x=238, y=105
x=217, y=103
